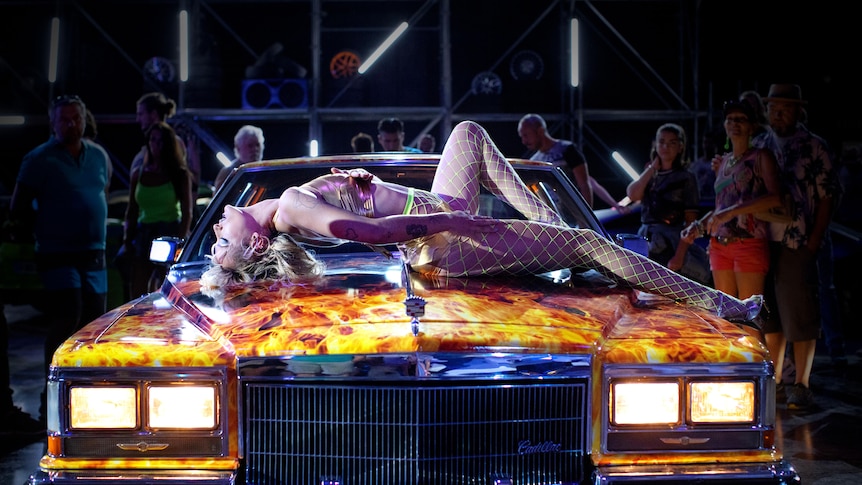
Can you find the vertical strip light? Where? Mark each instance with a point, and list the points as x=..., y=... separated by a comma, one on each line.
x=184, y=45
x=575, y=73
x=54, y=54
x=385, y=45
x=313, y=148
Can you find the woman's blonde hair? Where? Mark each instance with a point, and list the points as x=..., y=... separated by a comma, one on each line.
x=283, y=259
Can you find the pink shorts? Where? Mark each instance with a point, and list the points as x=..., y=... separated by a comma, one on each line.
x=750, y=255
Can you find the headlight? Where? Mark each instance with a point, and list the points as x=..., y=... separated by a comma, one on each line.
x=116, y=407
x=103, y=407
x=186, y=407
x=645, y=403
x=722, y=402
x=165, y=249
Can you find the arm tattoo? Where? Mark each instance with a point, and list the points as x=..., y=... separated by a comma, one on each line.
x=306, y=202
x=416, y=230
x=350, y=234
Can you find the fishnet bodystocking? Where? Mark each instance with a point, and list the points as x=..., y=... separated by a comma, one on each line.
x=544, y=243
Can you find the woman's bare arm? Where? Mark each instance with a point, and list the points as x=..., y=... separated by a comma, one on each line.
x=300, y=211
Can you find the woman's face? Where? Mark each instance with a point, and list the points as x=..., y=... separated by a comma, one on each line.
x=155, y=141
x=736, y=124
x=234, y=229
x=668, y=146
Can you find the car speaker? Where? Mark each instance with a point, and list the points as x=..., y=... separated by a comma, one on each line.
x=274, y=93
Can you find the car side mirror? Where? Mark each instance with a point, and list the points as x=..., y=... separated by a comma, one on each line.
x=166, y=250
x=634, y=242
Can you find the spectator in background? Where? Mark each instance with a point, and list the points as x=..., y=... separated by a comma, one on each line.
x=68, y=179
x=427, y=144
x=807, y=175
x=153, y=108
x=746, y=187
x=362, y=143
x=668, y=192
x=390, y=135
x=533, y=131
x=248, y=144
x=160, y=204
x=563, y=153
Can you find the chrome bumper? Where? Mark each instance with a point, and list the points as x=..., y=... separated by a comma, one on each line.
x=162, y=477
x=779, y=473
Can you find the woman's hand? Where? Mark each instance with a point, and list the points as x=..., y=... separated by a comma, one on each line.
x=357, y=173
x=715, y=163
x=468, y=224
x=622, y=209
x=690, y=233
x=717, y=219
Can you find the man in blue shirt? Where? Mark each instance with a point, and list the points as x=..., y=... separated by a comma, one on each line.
x=390, y=135
x=62, y=186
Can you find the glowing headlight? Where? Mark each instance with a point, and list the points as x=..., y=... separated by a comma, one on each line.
x=185, y=407
x=165, y=249
x=645, y=403
x=103, y=407
x=722, y=402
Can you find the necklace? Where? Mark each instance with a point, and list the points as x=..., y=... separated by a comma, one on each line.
x=734, y=159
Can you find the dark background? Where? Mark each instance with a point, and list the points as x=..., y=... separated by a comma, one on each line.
x=643, y=63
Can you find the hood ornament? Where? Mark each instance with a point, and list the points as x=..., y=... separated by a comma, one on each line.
x=413, y=305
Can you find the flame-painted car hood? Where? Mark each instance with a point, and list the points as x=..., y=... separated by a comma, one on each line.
x=359, y=308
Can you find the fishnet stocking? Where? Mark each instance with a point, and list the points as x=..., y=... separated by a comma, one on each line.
x=471, y=160
x=530, y=247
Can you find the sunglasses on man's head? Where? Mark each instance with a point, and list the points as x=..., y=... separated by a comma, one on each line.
x=66, y=99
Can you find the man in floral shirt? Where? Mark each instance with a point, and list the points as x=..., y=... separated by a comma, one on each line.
x=810, y=183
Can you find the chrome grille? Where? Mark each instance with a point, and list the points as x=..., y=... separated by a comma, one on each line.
x=406, y=433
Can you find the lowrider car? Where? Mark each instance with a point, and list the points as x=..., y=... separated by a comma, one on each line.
x=379, y=375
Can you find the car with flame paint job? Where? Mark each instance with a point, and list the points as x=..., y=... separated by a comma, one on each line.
x=379, y=375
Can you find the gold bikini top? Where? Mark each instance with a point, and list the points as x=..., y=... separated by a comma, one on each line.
x=349, y=193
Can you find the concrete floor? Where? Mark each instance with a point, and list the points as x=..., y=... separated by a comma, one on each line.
x=822, y=444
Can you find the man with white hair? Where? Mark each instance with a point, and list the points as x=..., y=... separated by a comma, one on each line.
x=248, y=146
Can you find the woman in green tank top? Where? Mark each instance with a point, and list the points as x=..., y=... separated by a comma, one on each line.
x=160, y=204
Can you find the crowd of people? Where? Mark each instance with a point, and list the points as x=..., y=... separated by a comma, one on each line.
x=764, y=204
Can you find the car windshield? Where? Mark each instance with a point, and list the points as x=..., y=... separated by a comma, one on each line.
x=268, y=180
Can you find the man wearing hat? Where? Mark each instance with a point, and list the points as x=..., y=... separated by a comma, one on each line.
x=807, y=176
